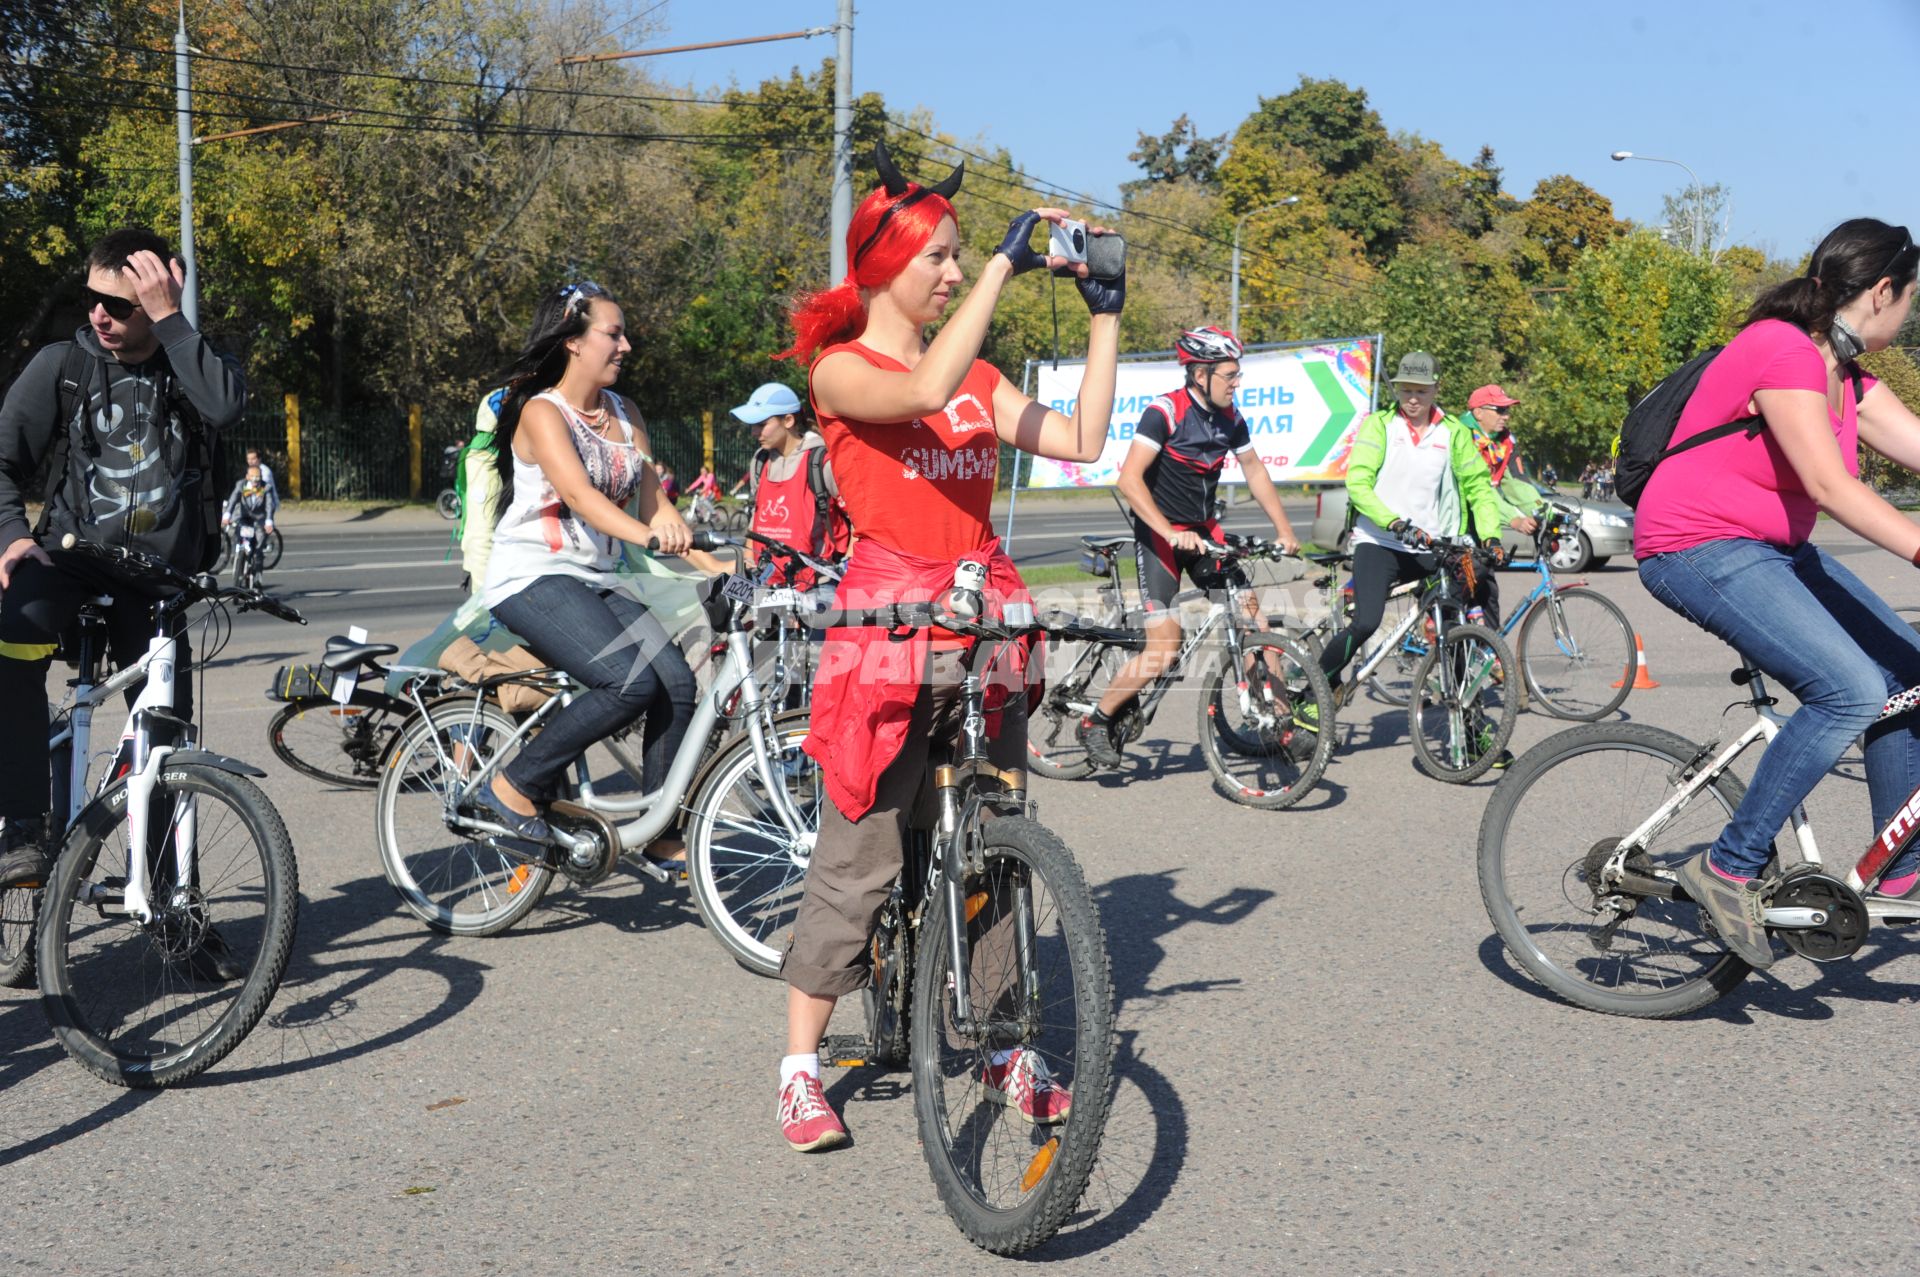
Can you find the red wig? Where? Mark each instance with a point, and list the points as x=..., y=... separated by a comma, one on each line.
x=904, y=223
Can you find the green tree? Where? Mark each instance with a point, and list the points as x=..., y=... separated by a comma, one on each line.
x=1358, y=165
x=1635, y=309
x=1564, y=218
x=1179, y=154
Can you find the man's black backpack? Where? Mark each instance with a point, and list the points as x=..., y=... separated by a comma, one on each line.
x=202, y=463
x=1646, y=436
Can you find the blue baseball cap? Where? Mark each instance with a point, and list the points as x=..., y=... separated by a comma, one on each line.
x=772, y=400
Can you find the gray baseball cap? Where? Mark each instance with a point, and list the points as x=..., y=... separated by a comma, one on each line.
x=1417, y=369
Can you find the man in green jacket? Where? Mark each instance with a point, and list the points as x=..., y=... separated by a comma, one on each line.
x=1415, y=474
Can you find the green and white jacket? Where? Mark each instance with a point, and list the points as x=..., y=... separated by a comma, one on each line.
x=1467, y=488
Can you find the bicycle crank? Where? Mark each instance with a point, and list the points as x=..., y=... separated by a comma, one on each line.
x=1818, y=917
x=591, y=843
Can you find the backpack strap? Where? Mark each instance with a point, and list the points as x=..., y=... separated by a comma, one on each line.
x=822, y=500
x=71, y=396
x=1750, y=426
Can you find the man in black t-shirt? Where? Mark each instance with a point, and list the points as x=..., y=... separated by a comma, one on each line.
x=1169, y=477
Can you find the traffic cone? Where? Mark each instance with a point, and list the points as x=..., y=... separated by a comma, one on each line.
x=1642, y=681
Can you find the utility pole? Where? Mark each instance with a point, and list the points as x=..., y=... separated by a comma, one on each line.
x=1239, y=223
x=183, y=110
x=842, y=146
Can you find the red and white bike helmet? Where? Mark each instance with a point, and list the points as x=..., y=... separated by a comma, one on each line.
x=1207, y=345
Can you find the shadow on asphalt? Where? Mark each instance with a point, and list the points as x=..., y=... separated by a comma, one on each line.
x=374, y=512
x=1762, y=993
x=255, y=658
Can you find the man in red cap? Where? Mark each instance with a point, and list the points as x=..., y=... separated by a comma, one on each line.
x=1492, y=410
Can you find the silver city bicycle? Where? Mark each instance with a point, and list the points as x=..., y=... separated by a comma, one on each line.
x=166, y=920
x=1582, y=840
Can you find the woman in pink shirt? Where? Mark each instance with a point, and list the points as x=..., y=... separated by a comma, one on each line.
x=1721, y=537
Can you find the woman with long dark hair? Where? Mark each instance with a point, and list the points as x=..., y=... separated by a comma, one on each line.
x=1721, y=535
x=914, y=430
x=573, y=454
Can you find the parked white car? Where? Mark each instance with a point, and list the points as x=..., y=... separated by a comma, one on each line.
x=1605, y=528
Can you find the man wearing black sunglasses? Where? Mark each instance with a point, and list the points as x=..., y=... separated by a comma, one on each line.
x=123, y=419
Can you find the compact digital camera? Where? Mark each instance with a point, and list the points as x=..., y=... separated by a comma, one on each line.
x=1069, y=240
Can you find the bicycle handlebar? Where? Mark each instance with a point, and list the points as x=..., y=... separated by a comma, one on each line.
x=192, y=589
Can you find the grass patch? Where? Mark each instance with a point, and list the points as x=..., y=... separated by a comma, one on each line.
x=1071, y=574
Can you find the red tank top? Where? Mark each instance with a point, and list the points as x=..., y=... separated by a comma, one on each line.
x=789, y=510
x=923, y=487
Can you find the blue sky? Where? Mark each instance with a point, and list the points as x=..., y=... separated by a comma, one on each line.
x=1804, y=110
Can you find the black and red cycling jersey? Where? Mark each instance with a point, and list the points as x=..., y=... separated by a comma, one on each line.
x=1193, y=443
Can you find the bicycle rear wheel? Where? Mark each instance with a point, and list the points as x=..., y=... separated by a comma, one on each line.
x=226, y=552
x=453, y=882
x=448, y=504
x=338, y=744
x=1053, y=746
x=1577, y=650
x=1249, y=726
x=19, y=908
x=747, y=872
x=1553, y=822
x=144, y=1004
x=1461, y=716
x=271, y=547
x=1040, y=983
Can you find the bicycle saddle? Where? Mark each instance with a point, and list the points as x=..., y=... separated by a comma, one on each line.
x=344, y=654
x=1105, y=543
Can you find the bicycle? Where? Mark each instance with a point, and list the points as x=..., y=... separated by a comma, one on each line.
x=249, y=555
x=342, y=742
x=172, y=862
x=749, y=824
x=1581, y=842
x=272, y=545
x=989, y=942
x=1248, y=698
x=448, y=502
x=1459, y=715
x=1566, y=641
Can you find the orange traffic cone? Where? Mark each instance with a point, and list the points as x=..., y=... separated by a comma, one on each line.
x=1642, y=681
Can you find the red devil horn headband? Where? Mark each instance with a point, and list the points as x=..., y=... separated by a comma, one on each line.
x=896, y=185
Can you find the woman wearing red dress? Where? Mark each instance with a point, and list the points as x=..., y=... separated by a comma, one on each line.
x=913, y=429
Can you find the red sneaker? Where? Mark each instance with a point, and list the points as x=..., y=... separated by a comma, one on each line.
x=1024, y=1083
x=805, y=1119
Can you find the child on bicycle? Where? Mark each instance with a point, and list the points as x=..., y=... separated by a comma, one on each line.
x=1721, y=535
x=914, y=429
x=251, y=505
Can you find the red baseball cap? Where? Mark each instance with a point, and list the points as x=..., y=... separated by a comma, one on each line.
x=1489, y=396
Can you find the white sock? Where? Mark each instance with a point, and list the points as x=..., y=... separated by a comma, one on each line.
x=792, y=1064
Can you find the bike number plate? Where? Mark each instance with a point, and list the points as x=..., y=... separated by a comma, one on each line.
x=782, y=598
x=739, y=589
x=343, y=687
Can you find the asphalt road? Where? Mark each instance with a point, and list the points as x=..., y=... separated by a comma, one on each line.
x=1326, y=1062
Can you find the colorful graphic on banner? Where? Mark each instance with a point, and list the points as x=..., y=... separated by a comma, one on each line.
x=1302, y=405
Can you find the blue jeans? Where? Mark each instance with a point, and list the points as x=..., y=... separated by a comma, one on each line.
x=1810, y=624
x=612, y=646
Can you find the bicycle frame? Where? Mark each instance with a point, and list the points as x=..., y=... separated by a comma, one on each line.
x=648, y=815
x=1899, y=833
x=143, y=750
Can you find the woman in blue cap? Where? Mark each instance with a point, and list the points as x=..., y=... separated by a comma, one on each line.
x=794, y=497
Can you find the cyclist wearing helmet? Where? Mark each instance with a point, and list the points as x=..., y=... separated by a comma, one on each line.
x=1169, y=478
x=1415, y=474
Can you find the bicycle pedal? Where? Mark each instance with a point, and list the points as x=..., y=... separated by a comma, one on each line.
x=844, y=1051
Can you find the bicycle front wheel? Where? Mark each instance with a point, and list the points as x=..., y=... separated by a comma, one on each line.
x=453, y=882
x=1577, y=650
x=1461, y=716
x=1012, y=1102
x=746, y=870
x=338, y=744
x=448, y=504
x=146, y=1004
x=1548, y=833
x=1392, y=679
x=1257, y=728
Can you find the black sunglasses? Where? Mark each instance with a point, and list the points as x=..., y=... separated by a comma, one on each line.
x=117, y=307
x=1898, y=253
x=1504, y=410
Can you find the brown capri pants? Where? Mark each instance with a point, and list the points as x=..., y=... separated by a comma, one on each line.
x=855, y=861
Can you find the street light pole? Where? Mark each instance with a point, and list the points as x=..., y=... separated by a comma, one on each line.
x=1238, y=223
x=842, y=214
x=183, y=110
x=1699, y=245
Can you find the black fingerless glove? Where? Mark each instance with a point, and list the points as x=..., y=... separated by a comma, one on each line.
x=1103, y=296
x=1400, y=528
x=1016, y=246
x=1496, y=550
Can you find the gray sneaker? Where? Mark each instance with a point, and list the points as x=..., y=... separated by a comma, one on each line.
x=1735, y=909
